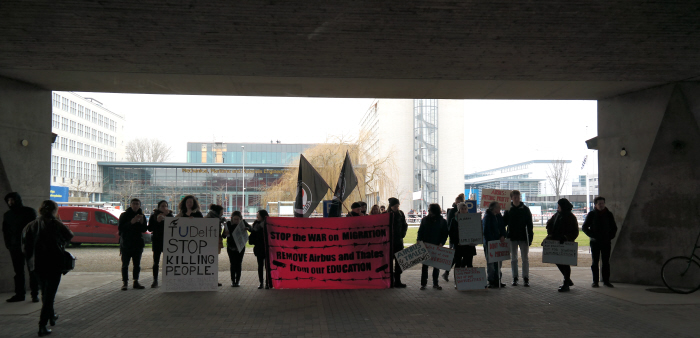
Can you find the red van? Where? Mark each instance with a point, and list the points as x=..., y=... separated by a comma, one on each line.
x=92, y=225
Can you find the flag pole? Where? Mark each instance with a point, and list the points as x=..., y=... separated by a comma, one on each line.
x=342, y=202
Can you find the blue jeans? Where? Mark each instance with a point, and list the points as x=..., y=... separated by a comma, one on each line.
x=493, y=270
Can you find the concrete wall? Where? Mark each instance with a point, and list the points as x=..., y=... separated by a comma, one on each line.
x=653, y=190
x=396, y=134
x=450, y=150
x=25, y=114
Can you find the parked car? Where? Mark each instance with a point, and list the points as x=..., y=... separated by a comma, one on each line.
x=93, y=225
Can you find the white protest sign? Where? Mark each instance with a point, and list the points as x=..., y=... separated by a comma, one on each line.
x=190, y=254
x=553, y=252
x=498, y=251
x=412, y=255
x=440, y=257
x=470, y=232
x=470, y=278
x=240, y=236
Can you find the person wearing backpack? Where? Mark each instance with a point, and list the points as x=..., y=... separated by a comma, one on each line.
x=43, y=243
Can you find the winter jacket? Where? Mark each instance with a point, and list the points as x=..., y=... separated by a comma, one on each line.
x=131, y=234
x=563, y=227
x=451, y=212
x=157, y=229
x=230, y=243
x=518, y=221
x=43, y=242
x=195, y=214
x=493, y=226
x=399, y=227
x=353, y=214
x=600, y=226
x=454, y=237
x=433, y=230
x=257, y=238
x=14, y=221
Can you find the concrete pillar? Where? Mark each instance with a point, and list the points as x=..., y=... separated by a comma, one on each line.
x=25, y=114
x=653, y=189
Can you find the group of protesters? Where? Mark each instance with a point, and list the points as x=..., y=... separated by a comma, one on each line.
x=38, y=241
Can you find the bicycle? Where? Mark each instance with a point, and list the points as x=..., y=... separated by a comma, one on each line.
x=681, y=274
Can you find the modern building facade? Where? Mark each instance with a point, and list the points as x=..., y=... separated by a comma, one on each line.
x=426, y=140
x=255, y=153
x=86, y=132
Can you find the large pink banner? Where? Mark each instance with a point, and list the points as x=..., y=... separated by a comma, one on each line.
x=329, y=253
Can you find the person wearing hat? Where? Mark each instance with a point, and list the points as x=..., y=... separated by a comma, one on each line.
x=399, y=227
x=563, y=227
x=356, y=210
x=363, y=208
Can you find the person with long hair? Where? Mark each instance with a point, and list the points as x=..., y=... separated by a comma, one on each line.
x=189, y=207
x=494, y=229
x=257, y=239
x=375, y=210
x=450, y=215
x=235, y=254
x=216, y=211
x=433, y=230
x=563, y=227
x=132, y=225
x=43, y=243
x=156, y=225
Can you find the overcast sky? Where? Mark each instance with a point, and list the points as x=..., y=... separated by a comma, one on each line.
x=497, y=133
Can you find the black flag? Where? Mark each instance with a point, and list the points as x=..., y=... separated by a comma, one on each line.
x=311, y=188
x=347, y=181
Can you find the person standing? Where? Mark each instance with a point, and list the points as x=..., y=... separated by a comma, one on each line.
x=43, y=243
x=399, y=227
x=375, y=210
x=355, y=210
x=13, y=221
x=216, y=212
x=601, y=228
x=132, y=225
x=189, y=207
x=494, y=229
x=156, y=225
x=433, y=230
x=363, y=208
x=451, y=212
x=382, y=209
x=235, y=256
x=464, y=254
x=563, y=227
x=518, y=220
x=257, y=239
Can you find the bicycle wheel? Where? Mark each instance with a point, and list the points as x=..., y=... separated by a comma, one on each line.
x=681, y=274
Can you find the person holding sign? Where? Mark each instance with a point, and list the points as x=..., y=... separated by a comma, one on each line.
x=257, y=238
x=433, y=230
x=132, y=224
x=464, y=254
x=494, y=229
x=518, y=220
x=156, y=225
x=601, y=228
x=397, y=220
x=216, y=211
x=235, y=254
x=563, y=227
x=450, y=215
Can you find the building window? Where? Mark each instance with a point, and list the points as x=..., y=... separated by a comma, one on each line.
x=64, y=124
x=94, y=172
x=99, y=120
x=99, y=154
x=64, y=167
x=72, y=108
x=94, y=134
x=94, y=117
x=71, y=169
x=72, y=147
x=55, y=121
x=79, y=149
x=64, y=144
x=73, y=127
x=56, y=100
x=64, y=104
x=87, y=114
x=54, y=165
x=80, y=130
x=100, y=137
x=79, y=170
x=93, y=152
x=87, y=171
x=81, y=111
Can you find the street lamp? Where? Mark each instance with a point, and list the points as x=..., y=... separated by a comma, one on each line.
x=243, y=190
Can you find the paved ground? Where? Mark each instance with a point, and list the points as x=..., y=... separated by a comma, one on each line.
x=538, y=311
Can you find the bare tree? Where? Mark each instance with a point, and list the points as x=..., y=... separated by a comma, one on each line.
x=147, y=150
x=557, y=175
x=84, y=187
x=126, y=190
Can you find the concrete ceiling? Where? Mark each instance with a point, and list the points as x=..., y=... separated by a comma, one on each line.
x=558, y=49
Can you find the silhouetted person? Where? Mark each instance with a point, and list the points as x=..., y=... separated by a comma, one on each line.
x=132, y=225
x=44, y=240
x=518, y=220
x=600, y=226
x=494, y=229
x=235, y=254
x=563, y=227
x=13, y=222
x=257, y=239
x=399, y=227
x=355, y=210
x=451, y=212
x=216, y=211
x=433, y=230
x=156, y=225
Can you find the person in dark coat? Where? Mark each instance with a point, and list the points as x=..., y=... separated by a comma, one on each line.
x=156, y=225
x=235, y=254
x=399, y=227
x=563, y=227
x=464, y=254
x=356, y=210
x=257, y=239
x=518, y=221
x=494, y=229
x=43, y=243
x=132, y=225
x=363, y=208
x=216, y=211
x=13, y=222
x=451, y=212
x=600, y=226
x=433, y=230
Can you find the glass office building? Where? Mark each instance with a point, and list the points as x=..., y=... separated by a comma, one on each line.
x=210, y=183
x=255, y=153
